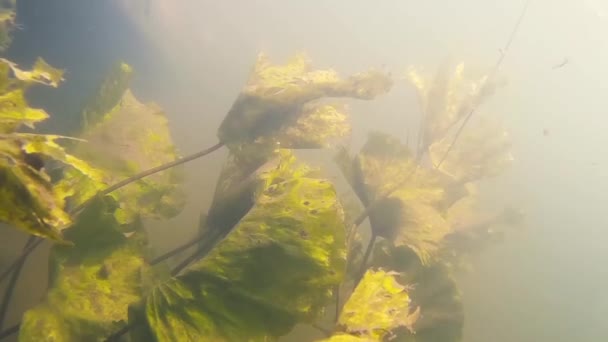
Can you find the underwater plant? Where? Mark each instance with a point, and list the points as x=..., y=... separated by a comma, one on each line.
x=278, y=247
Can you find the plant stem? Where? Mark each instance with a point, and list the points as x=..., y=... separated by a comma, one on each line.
x=177, y=250
x=368, y=252
x=117, y=335
x=13, y=281
x=25, y=252
x=149, y=172
x=8, y=332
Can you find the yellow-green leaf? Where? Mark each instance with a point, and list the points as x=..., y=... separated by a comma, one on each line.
x=93, y=283
x=41, y=73
x=274, y=99
x=378, y=306
x=131, y=137
x=432, y=288
x=277, y=267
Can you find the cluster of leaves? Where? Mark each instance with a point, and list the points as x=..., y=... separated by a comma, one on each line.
x=93, y=283
x=427, y=217
x=28, y=198
x=277, y=241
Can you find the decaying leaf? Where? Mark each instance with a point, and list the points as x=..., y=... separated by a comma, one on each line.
x=92, y=283
x=448, y=98
x=129, y=138
x=482, y=151
x=410, y=215
x=276, y=103
x=277, y=267
x=378, y=306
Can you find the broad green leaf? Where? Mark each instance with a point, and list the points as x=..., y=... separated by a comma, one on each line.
x=93, y=283
x=129, y=138
x=481, y=152
x=448, y=98
x=276, y=268
x=378, y=306
x=432, y=288
x=276, y=102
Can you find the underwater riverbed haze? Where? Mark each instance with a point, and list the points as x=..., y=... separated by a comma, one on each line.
x=303, y=171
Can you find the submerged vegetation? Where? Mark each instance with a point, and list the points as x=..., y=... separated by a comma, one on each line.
x=278, y=247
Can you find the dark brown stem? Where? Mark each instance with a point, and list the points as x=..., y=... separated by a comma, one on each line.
x=8, y=294
x=151, y=171
x=8, y=332
x=368, y=253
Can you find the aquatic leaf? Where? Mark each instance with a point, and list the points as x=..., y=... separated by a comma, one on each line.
x=378, y=306
x=481, y=152
x=28, y=199
x=474, y=228
x=346, y=338
x=92, y=283
x=448, y=98
x=108, y=96
x=41, y=73
x=411, y=214
x=15, y=112
x=276, y=268
x=129, y=138
x=317, y=126
x=274, y=99
x=432, y=289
